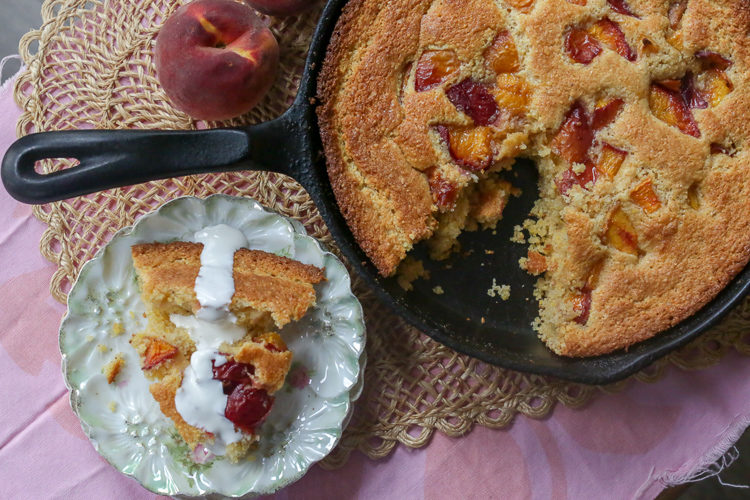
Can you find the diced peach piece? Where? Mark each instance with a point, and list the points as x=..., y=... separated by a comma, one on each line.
x=581, y=46
x=582, y=305
x=676, y=11
x=157, y=352
x=433, y=68
x=610, y=34
x=522, y=5
x=714, y=86
x=675, y=40
x=610, y=160
x=672, y=84
x=471, y=147
x=648, y=47
x=621, y=233
x=645, y=197
x=511, y=93
x=536, y=263
x=621, y=7
x=444, y=191
x=694, y=197
x=502, y=56
x=474, y=99
x=670, y=107
x=570, y=178
x=574, y=139
x=605, y=113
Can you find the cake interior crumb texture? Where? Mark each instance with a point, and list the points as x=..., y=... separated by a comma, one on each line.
x=635, y=112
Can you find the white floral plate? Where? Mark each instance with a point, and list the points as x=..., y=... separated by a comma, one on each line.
x=124, y=422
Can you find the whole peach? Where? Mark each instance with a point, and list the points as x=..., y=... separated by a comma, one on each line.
x=281, y=7
x=215, y=59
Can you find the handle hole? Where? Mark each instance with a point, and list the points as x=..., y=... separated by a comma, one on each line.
x=49, y=165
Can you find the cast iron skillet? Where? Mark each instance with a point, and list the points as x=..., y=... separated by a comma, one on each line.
x=464, y=317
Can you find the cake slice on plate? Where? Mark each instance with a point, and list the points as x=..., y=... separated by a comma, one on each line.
x=210, y=345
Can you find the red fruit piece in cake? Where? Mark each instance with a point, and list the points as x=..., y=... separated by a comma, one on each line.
x=611, y=35
x=713, y=60
x=610, y=160
x=690, y=94
x=582, y=305
x=444, y=191
x=247, y=407
x=621, y=7
x=605, y=113
x=720, y=149
x=670, y=107
x=433, y=68
x=575, y=136
x=621, y=234
x=474, y=99
x=675, y=13
x=585, y=178
x=645, y=197
x=502, y=56
x=581, y=46
x=157, y=352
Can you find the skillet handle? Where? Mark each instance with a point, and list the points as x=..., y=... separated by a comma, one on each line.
x=114, y=158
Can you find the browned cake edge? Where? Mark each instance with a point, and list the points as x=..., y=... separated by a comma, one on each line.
x=382, y=242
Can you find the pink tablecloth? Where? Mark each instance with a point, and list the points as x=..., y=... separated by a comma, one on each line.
x=630, y=444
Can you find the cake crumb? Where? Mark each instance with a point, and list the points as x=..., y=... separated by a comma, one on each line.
x=502, y=291
x=112, y=369
x=112, y=406
x=438, y=290
x=518, y=236
x=579, y=168
x=409, y=271
x=102, y=348
x=117, y=329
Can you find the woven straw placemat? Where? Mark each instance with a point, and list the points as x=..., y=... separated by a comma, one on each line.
x=90, y=66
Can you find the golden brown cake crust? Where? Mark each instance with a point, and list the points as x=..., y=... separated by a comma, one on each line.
x=263, y=281
x=376, y=131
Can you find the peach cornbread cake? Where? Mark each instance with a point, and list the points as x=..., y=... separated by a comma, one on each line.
x=216, y=365
x=636, y=113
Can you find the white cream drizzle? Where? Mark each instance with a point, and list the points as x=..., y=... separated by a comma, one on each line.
x=200, y=399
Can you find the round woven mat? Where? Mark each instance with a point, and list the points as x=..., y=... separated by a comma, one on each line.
x=90, y=66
